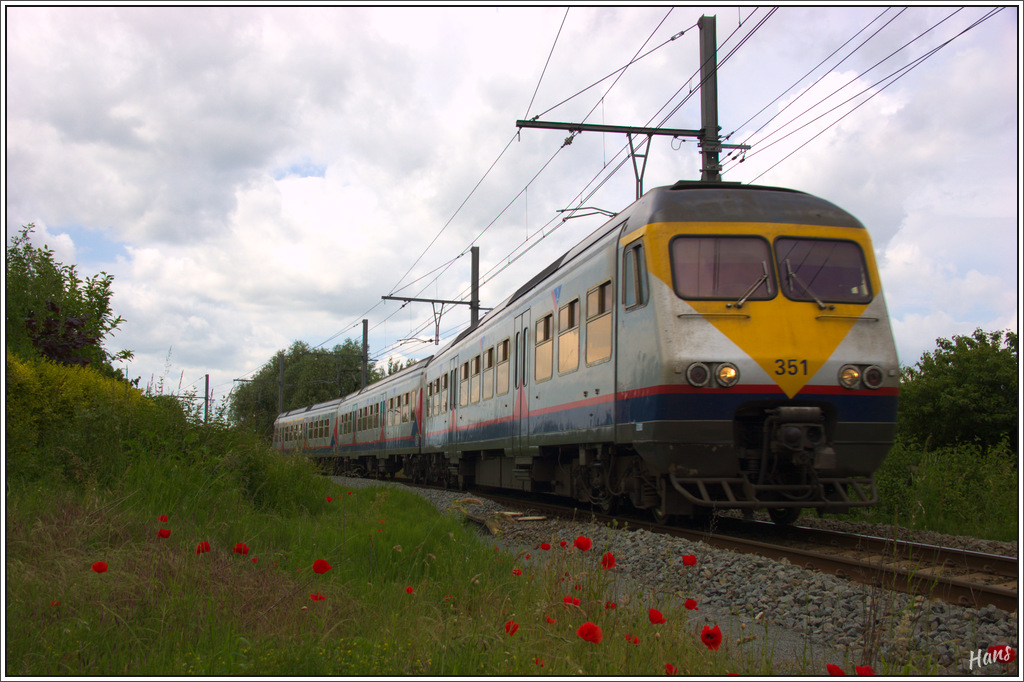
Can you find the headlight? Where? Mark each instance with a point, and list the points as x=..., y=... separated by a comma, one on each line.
x=873, y=376
x=849, y=376
x=727, y=374
x=698, y=374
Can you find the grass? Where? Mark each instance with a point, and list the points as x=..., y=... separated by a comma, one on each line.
x=410, y=591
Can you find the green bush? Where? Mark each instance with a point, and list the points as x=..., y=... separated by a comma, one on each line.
x=66, y=420
x=966, y=489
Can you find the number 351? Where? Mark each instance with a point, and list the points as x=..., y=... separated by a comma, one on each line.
x=790, y=366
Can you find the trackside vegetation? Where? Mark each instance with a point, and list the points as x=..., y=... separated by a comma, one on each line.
x=143, y=541
x=954, y=467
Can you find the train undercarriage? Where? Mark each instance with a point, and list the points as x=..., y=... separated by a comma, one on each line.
x=779, y=458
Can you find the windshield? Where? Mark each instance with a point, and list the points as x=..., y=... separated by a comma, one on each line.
x=722, y=267
x=829, y=270
x=742, y=269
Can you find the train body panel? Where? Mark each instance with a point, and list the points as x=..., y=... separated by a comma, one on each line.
x=711, y=345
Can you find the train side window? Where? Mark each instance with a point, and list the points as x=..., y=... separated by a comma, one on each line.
x=405, y=408
x=474, y=380
x=543, y=352
x=488, y=374
x=599, y=323
x=634, y=276
x=464, y=385
x=569, y=337
x=501, y=374
x=444, y=393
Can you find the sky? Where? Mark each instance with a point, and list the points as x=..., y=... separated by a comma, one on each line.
x=253, y=176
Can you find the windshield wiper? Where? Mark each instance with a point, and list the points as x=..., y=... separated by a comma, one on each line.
x=760, y=280
x=791, y=276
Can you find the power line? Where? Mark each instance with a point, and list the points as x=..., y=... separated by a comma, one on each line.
x=902, y=72
x=545, y=69
x=763, y=147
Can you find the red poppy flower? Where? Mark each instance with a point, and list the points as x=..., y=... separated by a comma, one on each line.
x=834, y=669
x=654, y=615
x=328, y=498
x=449, y=598
x=608, y=561
x=691, y=604
x=689, y=560
x=632, y=638
x=1001, y=653
x=349, y=492
x=254, y=559
x=563, y=543
x=100, y=566
x=316, y=596
x=549, y=619
x=409, y=590
x=609, y=605
x=163, y=533
x=577, y=587
x=511, y=627
x=240, y=548
x=712, y=637
x=545, y=546
x=55, y=603
x=590, y=632
x=671, y=669
x=516, y=571
x=865, y=669
x=527, y=557
x=539, y=661
x=162, y=518
x=320, y=566
x=202, y=547
x=583, y=543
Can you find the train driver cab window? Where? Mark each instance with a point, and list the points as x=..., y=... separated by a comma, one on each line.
x=634, y=276
x=737, y=269
x=544, y=353
x=822, y=270
x=501, y=375
x=569, y=337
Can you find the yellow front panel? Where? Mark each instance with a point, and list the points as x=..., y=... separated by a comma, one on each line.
x=789, y=340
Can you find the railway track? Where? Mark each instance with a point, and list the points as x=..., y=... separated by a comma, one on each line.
x=956, y=576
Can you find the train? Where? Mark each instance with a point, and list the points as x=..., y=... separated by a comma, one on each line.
x=712, y=346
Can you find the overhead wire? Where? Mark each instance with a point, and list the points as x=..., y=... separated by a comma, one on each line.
x=815, y=68
x=903, y=71
x=761, y=146
x=637, y=56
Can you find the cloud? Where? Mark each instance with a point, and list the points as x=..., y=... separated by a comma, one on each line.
x=257, y=175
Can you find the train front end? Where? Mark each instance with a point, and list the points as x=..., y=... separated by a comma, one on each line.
x=779, y=374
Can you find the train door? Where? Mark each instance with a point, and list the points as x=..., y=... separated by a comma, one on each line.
x=521, y=402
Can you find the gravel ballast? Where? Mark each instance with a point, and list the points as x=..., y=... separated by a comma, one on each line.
x=789, y=613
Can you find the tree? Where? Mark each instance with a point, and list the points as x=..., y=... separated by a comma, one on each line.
x=963, y=392
x=311, y=376
x=52, y=312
